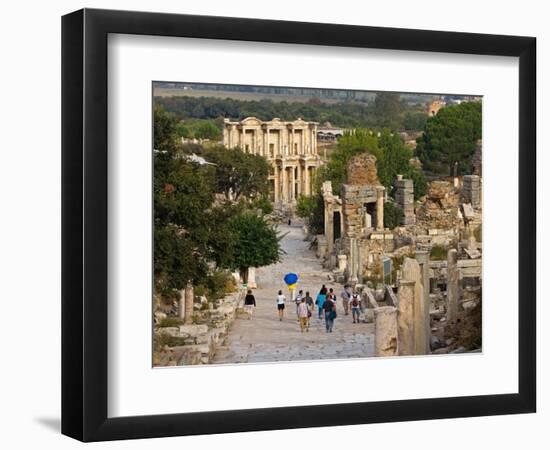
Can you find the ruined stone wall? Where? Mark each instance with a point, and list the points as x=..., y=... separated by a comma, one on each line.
x=362, y=170
x=404, y=198
x=354, y=198
x=471, y=190
x=441, y=208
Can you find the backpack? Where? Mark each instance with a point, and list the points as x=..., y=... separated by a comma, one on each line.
x=354, y=301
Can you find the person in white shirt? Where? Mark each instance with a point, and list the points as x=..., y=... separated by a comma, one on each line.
x=355, y=307
x=281, y=299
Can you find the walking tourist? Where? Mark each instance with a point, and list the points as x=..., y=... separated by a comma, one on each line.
x=303, y=315
x=320, y=300
x=298, y=300
x=281, y=299
x=249, y=304
x=346, y=296
x=355, y=307
x=329, y=307
x=309, y=301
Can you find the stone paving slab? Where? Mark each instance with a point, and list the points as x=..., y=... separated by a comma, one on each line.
x=264, y=338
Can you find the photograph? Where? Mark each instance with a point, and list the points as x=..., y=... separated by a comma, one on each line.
x=302, y=224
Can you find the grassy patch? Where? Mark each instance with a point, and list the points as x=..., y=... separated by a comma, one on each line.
x=170, y=322
x=438, y=253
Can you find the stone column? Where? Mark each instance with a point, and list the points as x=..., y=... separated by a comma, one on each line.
x=267, y=150
x=276, y=183
x=284, y=192
x=293, y=185
x=189, y=297
x=410, y=271
x=181, y=305
x=405, y=317
x=243, y=147
x=385, y=331
x=300, y=178
x=307, y=182
x=452, y=285
x=380, y=207
x=329, y=228
x=423, y=258
x=354, y=260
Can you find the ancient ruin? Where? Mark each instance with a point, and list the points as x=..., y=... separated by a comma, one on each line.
x=419, y=280
x=290, y=147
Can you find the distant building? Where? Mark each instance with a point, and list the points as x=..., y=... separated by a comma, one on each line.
x=290, y=147
x=328, y=133
x=435, y=106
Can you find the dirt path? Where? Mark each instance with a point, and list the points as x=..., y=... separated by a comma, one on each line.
x=266, y=339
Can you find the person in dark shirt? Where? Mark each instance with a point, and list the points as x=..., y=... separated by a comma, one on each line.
x=329, y=307
x=249, y=304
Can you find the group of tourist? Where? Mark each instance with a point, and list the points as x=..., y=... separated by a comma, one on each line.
x=325, y=302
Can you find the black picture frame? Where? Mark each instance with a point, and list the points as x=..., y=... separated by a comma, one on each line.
x=84, y=224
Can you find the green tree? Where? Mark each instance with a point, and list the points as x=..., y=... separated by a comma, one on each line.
x=449, y=138
x=394, y=158
x=207, y=130
x=256, y=244
x=350, y=144
x=393, y=215
x=237, y=173
x=414, y=120
x=388, y=108
x=312, y=209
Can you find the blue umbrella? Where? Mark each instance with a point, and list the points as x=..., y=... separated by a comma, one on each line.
x=291, y=278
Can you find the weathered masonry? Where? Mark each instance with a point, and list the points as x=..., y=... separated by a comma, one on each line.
x=290, y=147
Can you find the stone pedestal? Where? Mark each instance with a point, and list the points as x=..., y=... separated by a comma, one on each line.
x=471, y=190
x=404, y=198
x=252, y=278
x=342, y=263
x=405, y=318
x=452, y=285
x=385, y=331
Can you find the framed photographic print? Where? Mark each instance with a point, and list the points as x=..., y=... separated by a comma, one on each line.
x=273, y=225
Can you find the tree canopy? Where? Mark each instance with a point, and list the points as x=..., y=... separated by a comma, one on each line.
x=193, y=230
x=238, y=173
x=449, y=138
x=256, y=241
x=388, y=108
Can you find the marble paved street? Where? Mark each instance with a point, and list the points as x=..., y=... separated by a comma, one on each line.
x=266, y=339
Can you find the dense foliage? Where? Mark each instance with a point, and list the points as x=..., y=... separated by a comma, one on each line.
x=196, y=235
x=388, y=110
x=256, y=242
x=238, y=173
x=392, y=215
x=312, y=209
x=449, y=138
x=392, y=158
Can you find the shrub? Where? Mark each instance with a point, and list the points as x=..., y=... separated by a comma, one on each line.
x=438, y=253
x=170, y=341
x=170, y=322
x=393, y=215
x=478, y=233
